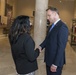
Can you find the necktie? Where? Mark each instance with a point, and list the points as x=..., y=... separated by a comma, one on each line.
x=52, y=27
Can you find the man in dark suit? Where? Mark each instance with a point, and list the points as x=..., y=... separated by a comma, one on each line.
x=55, y=43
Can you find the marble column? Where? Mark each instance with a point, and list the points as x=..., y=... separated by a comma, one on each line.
x=40, y=21
x=75, y=10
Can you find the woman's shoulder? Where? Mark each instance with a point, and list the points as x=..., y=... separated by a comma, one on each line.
x=26, y=36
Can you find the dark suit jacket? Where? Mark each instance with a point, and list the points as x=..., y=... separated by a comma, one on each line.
x=54, y=44
x=24, y=55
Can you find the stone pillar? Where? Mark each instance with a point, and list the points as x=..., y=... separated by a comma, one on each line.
x=40, y=21
x=75, y=10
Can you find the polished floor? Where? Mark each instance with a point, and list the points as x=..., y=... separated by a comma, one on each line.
x=7, y=66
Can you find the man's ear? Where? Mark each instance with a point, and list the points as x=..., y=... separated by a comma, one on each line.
x=55, y=13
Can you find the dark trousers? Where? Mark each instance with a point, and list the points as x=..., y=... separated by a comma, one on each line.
x=59, y=71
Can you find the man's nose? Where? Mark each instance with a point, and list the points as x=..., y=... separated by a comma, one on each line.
x=47, y=17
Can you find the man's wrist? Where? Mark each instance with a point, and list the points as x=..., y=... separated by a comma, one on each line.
x=54, y=65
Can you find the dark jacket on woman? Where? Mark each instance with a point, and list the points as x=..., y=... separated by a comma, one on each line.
x=24, y=54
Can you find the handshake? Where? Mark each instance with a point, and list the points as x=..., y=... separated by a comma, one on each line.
x=39, y=48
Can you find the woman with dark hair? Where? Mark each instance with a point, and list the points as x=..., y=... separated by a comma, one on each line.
x=22, y=46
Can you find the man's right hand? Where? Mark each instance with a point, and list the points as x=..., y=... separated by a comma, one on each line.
x=39, y=48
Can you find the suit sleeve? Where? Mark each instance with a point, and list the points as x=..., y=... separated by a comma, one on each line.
x=43, y=44
x=62, y=41
x=29, y=50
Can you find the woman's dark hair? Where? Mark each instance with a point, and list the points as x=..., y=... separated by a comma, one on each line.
x=20, y=25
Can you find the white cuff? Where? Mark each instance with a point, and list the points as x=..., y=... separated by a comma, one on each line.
x=54, y=65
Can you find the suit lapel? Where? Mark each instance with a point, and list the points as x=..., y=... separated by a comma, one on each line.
x=56, y=27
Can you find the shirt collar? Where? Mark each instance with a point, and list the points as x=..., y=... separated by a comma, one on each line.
x=56, y=21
